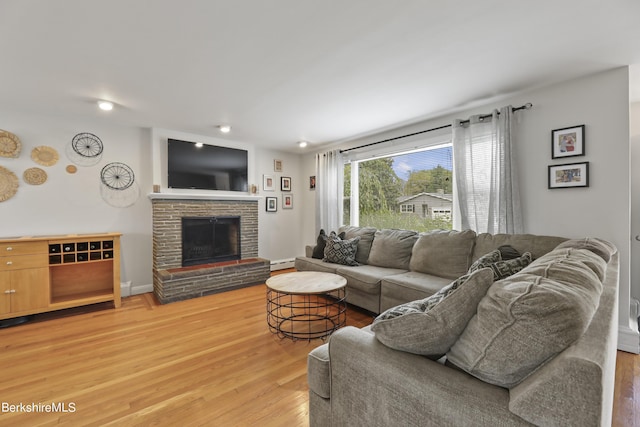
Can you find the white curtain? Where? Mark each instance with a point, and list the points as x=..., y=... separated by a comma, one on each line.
x=485, y=174
x=329, y=190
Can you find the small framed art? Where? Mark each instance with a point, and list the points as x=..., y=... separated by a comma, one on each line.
x=267, y=182
x=567, y=142
x=569, y=175
x=272, y=204
x=312, y=182
x=277, y=165
x=285, y=183
x=287, y=201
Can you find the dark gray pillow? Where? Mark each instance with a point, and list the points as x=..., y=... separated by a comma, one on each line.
x=321, y=242
x=508, y=252
x=341, y=251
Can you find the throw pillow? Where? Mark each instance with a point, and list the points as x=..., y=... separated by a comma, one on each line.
x=508, y=252
x=366, y=234
x=527, y=319
x=392, y=248
x=341, y=251
x=432, y=325
x=501, y=269
x=321, y=242
x=599, y=247
x=443, y=253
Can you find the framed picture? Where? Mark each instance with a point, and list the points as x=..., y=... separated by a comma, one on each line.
x=272, y=204
x=569, y=175
x=567, y=142
x=267, y=182
x=285, y=183
x=312, y=182
x=277, y=165
x=287, y=201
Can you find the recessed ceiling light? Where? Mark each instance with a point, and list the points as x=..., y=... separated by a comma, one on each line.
x=105, y=105
x=302, y=144
x=224, y=128
x=199, y=144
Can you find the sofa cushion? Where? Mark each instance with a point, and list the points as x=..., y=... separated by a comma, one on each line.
x=341, y=251
x=443, y=253
x=430, y=326
x=501, y=268
x=599, y=247
x=528, y=318
x=410, y=286
x=366, y=277
x=366, y=235
x=312, y=264
x=392, y=248
x=537, y=245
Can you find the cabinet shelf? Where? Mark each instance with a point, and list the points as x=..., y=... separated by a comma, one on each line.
x=54, y=272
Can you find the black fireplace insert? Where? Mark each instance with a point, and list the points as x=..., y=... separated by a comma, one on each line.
x=208, y=240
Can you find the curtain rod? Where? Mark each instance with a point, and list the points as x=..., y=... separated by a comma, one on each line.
x=526, y=106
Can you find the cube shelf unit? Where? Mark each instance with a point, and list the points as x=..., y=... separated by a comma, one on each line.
x=39, y=274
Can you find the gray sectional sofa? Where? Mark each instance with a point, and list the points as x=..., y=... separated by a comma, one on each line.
x=536, y=348
x=397, y=266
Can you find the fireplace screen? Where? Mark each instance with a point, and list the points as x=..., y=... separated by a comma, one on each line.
x=210, y=239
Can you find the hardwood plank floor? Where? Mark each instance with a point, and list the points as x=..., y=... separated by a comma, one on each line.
x=206, y=361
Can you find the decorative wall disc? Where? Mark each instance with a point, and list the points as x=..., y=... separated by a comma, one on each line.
x=8, y=184
x=10, y=145
x=87, y=145
x=71, y=169
x=45, y=156
x=117, y=176
x=34, y=176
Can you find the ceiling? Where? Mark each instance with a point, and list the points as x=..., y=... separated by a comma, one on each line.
x=281, y=71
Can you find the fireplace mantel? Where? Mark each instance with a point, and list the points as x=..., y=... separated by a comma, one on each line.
x=202, y=196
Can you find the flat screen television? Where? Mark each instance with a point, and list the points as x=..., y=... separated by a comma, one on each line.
x=208, y=167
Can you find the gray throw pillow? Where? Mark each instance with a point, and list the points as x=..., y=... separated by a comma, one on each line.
x=366, y=235
x=392, y=248
x=501, y=268
x=321, y=242
x=443, y=253
x=528, y=318
x=341, y=251
x=432, y=325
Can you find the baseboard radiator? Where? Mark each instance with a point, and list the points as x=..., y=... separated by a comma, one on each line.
x=282, y=264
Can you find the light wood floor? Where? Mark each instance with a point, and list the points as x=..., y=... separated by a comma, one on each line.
x=207, y=361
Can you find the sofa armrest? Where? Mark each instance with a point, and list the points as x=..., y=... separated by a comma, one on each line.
x=374, y=385
x=308, y=251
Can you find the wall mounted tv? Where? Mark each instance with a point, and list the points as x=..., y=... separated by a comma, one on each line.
x=209, y=167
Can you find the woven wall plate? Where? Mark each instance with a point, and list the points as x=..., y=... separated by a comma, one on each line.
x=71, y=169
x=10, y=145
x=34, y=176
x=8, y=184
x=45, y=156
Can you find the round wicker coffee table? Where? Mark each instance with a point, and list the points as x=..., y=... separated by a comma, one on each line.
x=306, y=305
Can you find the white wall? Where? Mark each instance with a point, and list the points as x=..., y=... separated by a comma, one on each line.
x=635, y=200
x=600, y=102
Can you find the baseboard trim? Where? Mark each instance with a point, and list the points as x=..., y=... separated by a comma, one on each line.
x=628, y=340
x=282, y=264
x=141, y=289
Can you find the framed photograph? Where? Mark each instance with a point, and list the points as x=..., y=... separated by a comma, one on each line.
x=285, y=183
x=267, y=182
x=272, y=204
x=567, y=142
x=312, y=182
x=277, y=165
x=287, y=201
x=569, y=175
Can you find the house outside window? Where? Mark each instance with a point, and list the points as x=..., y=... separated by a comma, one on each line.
x=410, y=190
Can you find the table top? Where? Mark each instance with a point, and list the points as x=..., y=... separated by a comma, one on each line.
x=306, y=282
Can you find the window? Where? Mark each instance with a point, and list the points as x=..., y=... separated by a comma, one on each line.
x=376, y=190
x=407, y=208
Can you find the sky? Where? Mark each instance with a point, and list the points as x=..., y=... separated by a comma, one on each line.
x=424, y=160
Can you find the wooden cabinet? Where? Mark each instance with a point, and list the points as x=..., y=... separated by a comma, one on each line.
x=39, y=274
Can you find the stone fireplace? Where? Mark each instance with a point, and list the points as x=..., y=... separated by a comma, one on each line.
x=229, y=265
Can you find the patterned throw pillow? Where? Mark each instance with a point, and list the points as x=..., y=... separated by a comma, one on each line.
x=432, y=325
x=501, y=269
x=321, y=242
x=341, y=251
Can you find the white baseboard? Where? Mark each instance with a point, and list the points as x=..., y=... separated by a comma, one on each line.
x=282, y=264
x=628, y=340
x=141, y=289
